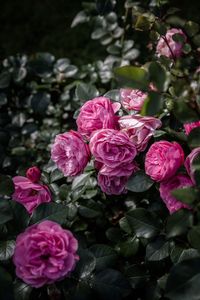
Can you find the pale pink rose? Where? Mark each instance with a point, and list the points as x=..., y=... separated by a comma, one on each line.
x=95, y=114
x=112, y=147
x=166, y=187
x=45, y=253
x=139, y=129
x=168, y=47
x=163, y=160
x=189, y=161
x=70, y=153
x=132, y=99
x=189, y=126
x=30, y=194
x=112, y=181
x=33, y=174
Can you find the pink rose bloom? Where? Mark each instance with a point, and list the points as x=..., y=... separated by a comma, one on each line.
x=112, y=185
x=44, y=253
x=139, y=129
x=95, y=114
x=163, y=160
x=33, y=174
x=166, y=187
x=189, y=126
x=132, y=99
x=112, y=181
x=189, y=161
x=70, y=153
x=166, y=43
x=30, y=194
x=112, y=147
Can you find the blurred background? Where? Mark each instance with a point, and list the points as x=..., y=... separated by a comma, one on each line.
x=29, y=26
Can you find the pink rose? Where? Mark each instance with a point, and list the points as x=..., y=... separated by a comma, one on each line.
x=112, y=181
x=189, y=126
x=139, y=129
x=70, y=153
x=132, y=99
x=33, y=174
x=112, y=147
x=189, y=161
x=44, y=253
x=112, y=185
x=168, y=47
x=166, y=187
x=30, y=194
x=163, y=160
x=97, y=114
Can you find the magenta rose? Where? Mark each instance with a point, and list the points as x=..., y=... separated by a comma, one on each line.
x=45, y=253
x=166, y=187
x=112, y=185
x=112, y=181
x=139, y=129
x=189, y=126
x=112, y=147
x=33, y=174
x=189, y=161
x=70, y=153
x=168, y=47
x=97, y=114
x=30, y=194
x=132, y=99
x=163, y=160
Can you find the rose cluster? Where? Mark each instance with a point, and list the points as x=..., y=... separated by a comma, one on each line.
x=112, y=141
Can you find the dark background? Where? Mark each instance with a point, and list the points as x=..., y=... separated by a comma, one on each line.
x=28, y=26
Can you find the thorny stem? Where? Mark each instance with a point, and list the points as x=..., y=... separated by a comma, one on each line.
x=164, y=38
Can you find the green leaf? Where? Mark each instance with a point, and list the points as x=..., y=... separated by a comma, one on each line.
x=22, y=290
x=80, y=18
x=20, y=215
x=137, y=275
x=191, y=28
x=56, y=175
x=194, y=237
x=178, y=223
x=139, y=182
x=6, y=249
x=5, y=211
x=142, y=23
x=157, y=75
x=133, y=77
x=128, y=248
x=193, y=138
x=6, y=185
x=143, y=223
x=152, y=105
x=90, y=209
x=183, y=112
x=85, y=265
x=80, y=180
x=40, y=102
x=86, y=92
x=179, y=38
x=105, y=256
x=186, y=195
x=157, y=250
x=111, y=284
x=183, y=281
x=196, y=40
x=50, y=211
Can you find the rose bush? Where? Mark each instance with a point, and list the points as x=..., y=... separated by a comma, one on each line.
x=112, y=210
